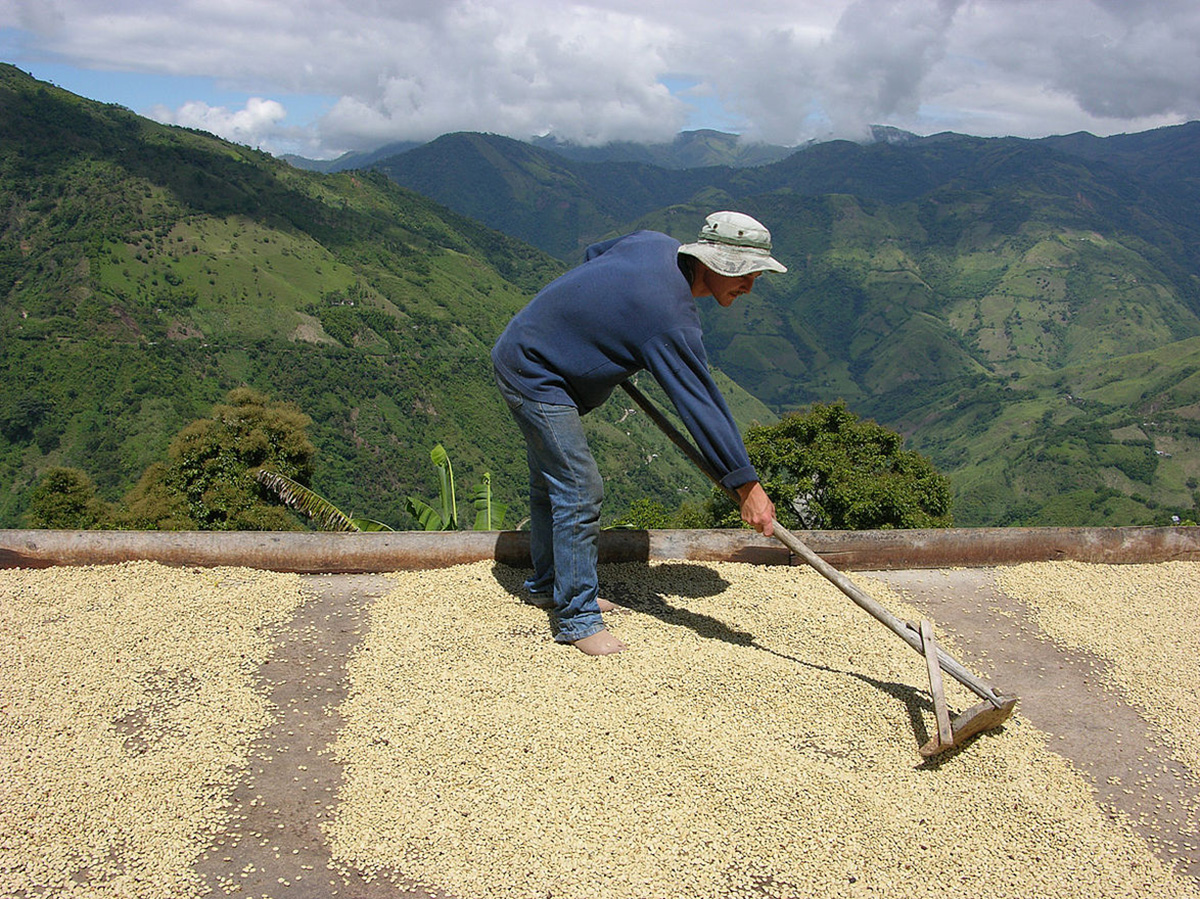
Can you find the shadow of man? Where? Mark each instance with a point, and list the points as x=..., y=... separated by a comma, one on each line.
x=637, y=587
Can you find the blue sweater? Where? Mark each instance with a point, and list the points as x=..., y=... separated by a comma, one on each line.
x=627, y=308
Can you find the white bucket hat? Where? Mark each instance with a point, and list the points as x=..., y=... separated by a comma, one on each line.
x=733, y=244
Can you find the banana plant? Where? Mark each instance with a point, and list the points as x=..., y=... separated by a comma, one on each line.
x=445, y=517
x=489, y=514
x=325, y=514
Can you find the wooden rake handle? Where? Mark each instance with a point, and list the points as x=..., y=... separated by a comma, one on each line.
x=864, y=601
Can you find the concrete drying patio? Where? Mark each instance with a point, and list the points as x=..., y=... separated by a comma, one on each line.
x=281, y=826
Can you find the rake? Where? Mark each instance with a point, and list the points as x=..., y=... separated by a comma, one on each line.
x=991, y=713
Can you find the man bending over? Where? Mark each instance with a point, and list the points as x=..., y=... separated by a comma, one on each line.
x=629, y=307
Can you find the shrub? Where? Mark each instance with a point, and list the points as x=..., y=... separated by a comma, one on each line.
x=828, y=469
x=66, y=498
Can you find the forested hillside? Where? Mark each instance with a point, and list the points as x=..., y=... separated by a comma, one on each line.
x=1025, y=312
x=147, y=270
x=984, y=296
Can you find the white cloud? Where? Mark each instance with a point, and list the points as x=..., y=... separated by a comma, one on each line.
x=593, y=70
x=1114, y=61
x=256, y=124
x=518, y=73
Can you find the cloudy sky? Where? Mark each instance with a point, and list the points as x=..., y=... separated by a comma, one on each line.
x=319, y=77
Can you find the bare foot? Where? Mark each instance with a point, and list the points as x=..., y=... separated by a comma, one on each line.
x=601, y=643
x=605, y=605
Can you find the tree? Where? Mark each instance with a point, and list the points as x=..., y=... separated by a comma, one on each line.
x=208, y=481
x=66, y=498
x=646, y=513
x=828, y=469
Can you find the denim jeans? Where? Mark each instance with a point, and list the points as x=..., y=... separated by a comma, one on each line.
x=565, y=491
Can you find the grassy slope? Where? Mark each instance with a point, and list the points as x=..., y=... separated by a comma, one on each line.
x=954, y=342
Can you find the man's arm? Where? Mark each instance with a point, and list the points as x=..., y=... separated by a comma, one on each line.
x=677, y=360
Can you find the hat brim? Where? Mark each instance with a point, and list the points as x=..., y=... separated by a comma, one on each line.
x=732, y=261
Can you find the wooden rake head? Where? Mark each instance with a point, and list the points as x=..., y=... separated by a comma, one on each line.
x=975, y=720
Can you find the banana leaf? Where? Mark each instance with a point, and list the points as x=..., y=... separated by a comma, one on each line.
x=324, y=514
x=489, y=514
x=427, y=517
x=449, y=508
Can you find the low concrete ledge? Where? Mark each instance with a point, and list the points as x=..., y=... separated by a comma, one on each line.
x=329, y=553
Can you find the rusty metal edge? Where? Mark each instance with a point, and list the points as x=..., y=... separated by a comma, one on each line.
x=328, y=553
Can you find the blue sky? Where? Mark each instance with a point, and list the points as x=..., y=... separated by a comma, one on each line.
x=319, y=77
x=142, y=92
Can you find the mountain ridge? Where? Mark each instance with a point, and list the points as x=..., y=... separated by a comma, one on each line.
x=920, y=267
x=996, y=300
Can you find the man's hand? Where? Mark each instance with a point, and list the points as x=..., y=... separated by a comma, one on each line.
x=757, y=509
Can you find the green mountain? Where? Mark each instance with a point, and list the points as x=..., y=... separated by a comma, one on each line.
x=1168, y=157
x=1025, y=311
x=688, y=150
x=936, y=284
x=146, y=270
x=537, y=195
x=352, y=159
